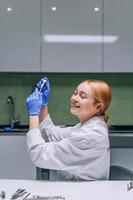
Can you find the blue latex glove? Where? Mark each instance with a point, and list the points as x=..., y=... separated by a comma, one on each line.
x=34, y=103
x=43, y=87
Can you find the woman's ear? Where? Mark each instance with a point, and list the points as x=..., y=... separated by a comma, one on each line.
x=99, y=107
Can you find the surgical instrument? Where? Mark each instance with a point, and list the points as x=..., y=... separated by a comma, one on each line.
x=26, y=196
x=19, y=193
x=37, y=197
x=3, y=195
x=130, y=186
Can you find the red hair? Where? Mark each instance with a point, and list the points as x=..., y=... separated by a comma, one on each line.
x=102, y=94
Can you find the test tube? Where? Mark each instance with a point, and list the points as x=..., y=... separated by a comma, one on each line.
x=44, y=81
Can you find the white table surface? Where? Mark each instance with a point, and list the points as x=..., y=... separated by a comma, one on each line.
x=95, y=190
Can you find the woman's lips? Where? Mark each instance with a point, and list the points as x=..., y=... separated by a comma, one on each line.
x=75, y=106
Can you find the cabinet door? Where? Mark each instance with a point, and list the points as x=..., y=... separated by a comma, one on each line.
x=122, y=157
x=14, y=159
x=118, y=24
x=71, y=36
x=20, y=35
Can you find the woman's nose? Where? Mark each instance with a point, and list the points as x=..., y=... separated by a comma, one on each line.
x=74, y=98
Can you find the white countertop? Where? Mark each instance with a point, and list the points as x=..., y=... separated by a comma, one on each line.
x=101, y=190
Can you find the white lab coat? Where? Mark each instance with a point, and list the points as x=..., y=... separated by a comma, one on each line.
x=80, y=152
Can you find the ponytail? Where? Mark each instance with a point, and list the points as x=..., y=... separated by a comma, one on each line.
x=105, y=116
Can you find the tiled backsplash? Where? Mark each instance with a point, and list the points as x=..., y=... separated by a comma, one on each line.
x=19, y=85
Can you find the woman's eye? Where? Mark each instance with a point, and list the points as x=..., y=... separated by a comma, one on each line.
x=83, y=96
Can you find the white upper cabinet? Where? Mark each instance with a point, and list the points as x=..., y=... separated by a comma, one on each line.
x=20, y=35
x=118, y=24
x=66, y=36
x=71, y=36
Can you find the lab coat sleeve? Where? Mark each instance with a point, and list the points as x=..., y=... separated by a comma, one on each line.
x=50, y=132
x=69, y=154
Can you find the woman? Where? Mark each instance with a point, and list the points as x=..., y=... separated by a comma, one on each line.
x=80, y=152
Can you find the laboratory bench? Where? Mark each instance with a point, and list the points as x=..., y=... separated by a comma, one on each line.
x=16, y=164
x=93, y=190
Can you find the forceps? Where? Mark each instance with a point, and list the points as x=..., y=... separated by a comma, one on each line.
x=130, y=186
x=2, y=195
x=37, y=197
x=19, y=193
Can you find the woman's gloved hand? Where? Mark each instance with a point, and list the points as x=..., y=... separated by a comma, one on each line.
x=43, y=87
x=34, y=103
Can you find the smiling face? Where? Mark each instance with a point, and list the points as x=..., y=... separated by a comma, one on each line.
x=83, y=103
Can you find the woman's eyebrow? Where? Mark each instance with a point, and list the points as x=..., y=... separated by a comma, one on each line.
x=82, y=92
